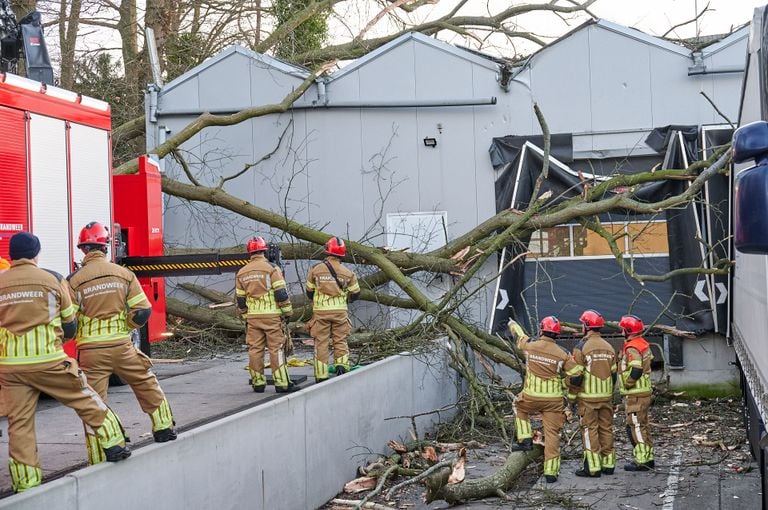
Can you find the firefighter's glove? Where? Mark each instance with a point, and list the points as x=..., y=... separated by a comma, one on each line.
x=515, y=329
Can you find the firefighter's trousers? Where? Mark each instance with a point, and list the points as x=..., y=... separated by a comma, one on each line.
x=637, y=428
x=67, y=384
x=330, y=329
x=596, y=419
x=266, y=332
x=133, y=367
x=553, y=417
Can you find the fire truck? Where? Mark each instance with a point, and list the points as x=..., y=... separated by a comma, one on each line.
x=55, y=177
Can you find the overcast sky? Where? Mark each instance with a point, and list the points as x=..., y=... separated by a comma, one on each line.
x=654, y=17
x=657, y=16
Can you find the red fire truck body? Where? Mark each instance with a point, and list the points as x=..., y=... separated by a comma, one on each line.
x=56, y=176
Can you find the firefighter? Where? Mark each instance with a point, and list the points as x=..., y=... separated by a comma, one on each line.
x=635, y=386
x=547, y=364
x=331, y=286
x=593, y=391
x=110, y=303
x=263, y=299
x=36, y=315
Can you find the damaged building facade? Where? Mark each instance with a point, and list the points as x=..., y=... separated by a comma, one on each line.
x=393, y=150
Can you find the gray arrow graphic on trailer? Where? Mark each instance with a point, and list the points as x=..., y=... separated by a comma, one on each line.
x=699, y=291
x=723, y=293
x=504, y=300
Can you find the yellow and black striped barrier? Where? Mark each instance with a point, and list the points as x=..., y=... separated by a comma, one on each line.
x=186, y=265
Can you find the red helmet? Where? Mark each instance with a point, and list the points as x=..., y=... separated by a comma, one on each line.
x=93, y=233
x=550, y=324
x=631, y=325
x=592, y=319
x=257, y=244
x=336, y=246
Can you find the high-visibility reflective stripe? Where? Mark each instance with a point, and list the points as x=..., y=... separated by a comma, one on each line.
x=538, y=387
x=642, y=385
x=37, y=345
x=342, y=361
x=593, y=461
x=161, y=418
x=552, y=466
x=281, y=376
x=257, y=379
x=263, y=305
x=608, y=461
x=642, y=453
x=137, y=299
x=594, y=386
x=322, y=301
x=68, y=312
x=321, y=370
x=522, y=429
x=575, y=370
x=23, y=476
x=110, y=433
x=91, y=330
x=95, y=453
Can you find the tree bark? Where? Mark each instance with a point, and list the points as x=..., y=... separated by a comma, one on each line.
x=488, y=486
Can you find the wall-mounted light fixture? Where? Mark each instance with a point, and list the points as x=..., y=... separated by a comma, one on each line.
x=430, y=142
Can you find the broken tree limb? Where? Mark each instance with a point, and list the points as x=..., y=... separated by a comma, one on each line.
x=356, y=503
x=377, y=490
x=221, y=320
x=418, y=478
x=503, y=479
x=208, y=119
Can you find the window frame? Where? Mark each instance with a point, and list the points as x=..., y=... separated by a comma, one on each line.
x=626, y=252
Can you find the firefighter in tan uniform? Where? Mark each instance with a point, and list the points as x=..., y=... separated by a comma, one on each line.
x=331, y=286
x=262, y=297
x=593, y=391
x=547, y=365
x=110, y=303
x=36, y=314
x=635, y=386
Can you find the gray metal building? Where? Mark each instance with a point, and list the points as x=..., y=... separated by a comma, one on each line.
x=393, y=148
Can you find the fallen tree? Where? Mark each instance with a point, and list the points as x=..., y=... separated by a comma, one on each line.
x=462, y=259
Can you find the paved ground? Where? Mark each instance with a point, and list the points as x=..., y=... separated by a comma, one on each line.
x=702, y=463
x=669, y=487
x=197, y=391
x=201, y=391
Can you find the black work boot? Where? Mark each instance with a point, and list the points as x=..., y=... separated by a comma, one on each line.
x=586, y=473
x=607, y=471
x=340, y=370
x=259, y=388
x=634, y=466
x=165, y=435
x=116, y=453
x=550, y=478
x=525, y=445
x=651, y=463
x=287, y=389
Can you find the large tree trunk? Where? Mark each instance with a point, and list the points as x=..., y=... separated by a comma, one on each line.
x=69, y=24
x=486, y=487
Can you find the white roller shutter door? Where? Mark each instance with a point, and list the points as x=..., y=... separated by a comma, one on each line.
x=49, y=187
x=90, y=179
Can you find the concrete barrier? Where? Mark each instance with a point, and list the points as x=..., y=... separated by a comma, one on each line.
x=295, y=452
